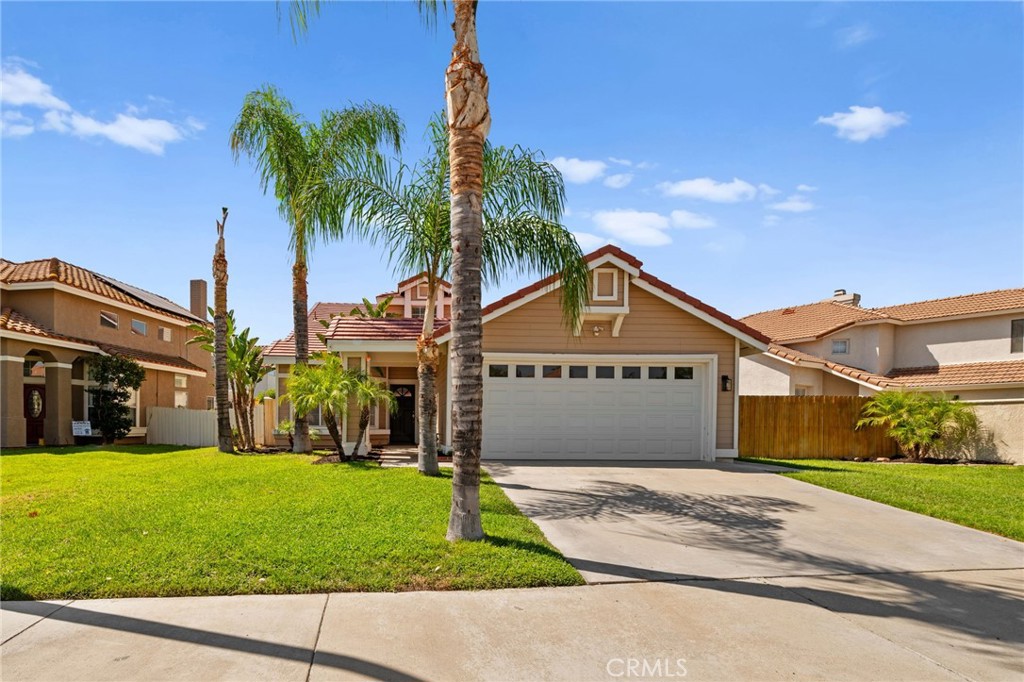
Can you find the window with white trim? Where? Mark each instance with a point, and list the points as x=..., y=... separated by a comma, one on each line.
x=164, y=333
x=840, y=346
x=422, y=290
x=180, y=390
x=606, y=284
x=133, y=407
x=108, y=319
x=419, y=311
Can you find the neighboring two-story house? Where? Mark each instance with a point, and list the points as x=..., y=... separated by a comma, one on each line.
x=56, y=316
x=969, y=347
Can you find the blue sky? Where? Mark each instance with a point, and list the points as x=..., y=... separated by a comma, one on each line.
x=754, y=155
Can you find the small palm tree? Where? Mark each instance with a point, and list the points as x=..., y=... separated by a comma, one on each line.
x=298, y=158
x=327, y=386
x=408, y=211
x=919, y=422
x=369, y=394
x=374, y=310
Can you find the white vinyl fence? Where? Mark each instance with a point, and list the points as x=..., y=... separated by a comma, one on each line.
x=177, y=426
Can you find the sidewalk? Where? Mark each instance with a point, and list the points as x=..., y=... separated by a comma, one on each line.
x=836, y=628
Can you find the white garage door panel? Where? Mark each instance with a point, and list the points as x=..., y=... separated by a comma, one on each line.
x=564, y=418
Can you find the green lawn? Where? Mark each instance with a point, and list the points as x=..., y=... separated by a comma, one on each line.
x=989, y=498
x=159, y=521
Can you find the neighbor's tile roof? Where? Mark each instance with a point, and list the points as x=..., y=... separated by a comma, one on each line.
x=815, y=320
x=376, y=329
x=799, y=358
x=650, y=279
x=14, y=321
x=808, y=321
x=961, y=375
x=56, y=270
x=324, y=310
x=286, y=347
x=968, y=304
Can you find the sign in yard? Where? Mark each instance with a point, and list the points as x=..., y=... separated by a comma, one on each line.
x=81, y=428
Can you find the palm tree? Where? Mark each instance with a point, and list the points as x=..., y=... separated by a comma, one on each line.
x=297, y=157
x=327, y=386
x=918, y=422
x=408, y=211
x=469, y=121
x=369, y=394
x=220, y=353
x=374, y=310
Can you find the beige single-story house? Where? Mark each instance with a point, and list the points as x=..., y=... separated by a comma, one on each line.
x=651, y=373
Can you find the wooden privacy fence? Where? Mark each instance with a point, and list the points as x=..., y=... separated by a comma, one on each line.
x=808, y=427
x=177, y=426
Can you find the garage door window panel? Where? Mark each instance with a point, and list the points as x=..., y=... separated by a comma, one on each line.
x=552, y=371
x=498, y=371
x=604, y=372
x=526, y=371
x=684, y=373
x=657, y=372
x=579, y=372
x=630, y=372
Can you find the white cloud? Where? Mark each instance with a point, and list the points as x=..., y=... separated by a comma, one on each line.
x=588, y=242
x=618, y=181
x=794, y=204
x=128, y=129
x=15, y=124
x=643, y=228
x=864, y=123
x=765, y=191
x=710, y=190
x=639, y=165
x=852, y=36
x=691, y=221
x=579, y=171
x=22, y=89
x=771, y=220
x=621, y=162
x=806, y=188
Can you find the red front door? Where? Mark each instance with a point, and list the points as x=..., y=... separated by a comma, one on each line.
x=35, y=413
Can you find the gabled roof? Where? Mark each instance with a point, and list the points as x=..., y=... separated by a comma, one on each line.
x=967, y=374
x=375, y=329
x=953, y=306
x=12, y=320
x=61, y=272
x=815, y=320
x=421, y=275
x=615, y=252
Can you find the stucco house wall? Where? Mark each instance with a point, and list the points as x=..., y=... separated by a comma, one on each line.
x=764, y=375
x=980, y=339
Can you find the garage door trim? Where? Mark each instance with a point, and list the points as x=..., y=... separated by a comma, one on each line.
x=708, y=361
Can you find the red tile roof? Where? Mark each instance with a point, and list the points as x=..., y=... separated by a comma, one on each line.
x=55, y=270
x=801, y=358
x=1009, y=372
x=968, y=304
x=14, y=321
x=376, y=329
x=814, y=320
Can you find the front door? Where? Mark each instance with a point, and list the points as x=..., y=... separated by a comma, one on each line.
x=403, y=422
x=35, y=413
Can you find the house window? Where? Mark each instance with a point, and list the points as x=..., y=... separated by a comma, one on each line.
x=33, y=367
x=421, y=291
x=604, y=372
x=180, y=381
x=685, y=373
x=1017, y=336
x=164, y=333
x=108, y=319
x=526, y=371
x=138, y=327
x=606, y=285
x=133, y=407
x=497, y=371
x=802, y=390
x=579, y=372
x=840, y=346
x=419, y=311
x=181, y=398
x=211, y=402
x=314, y=417
x=552, y=372
x=630, y=372
x=657, y=372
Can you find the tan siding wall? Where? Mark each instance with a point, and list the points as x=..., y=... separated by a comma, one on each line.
x=401, y=374
x=653, y=326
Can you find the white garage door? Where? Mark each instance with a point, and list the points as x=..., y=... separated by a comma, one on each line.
x=552, y=409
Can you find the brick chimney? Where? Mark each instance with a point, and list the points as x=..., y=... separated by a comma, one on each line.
x=197, y=298
x=840, y=296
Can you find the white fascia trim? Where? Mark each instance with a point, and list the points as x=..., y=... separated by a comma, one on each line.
x=170, y=368
x=60, y=343
x=58, y=286
x=945, y=318
x=606, y=311
x=995, y=401
x=277, y=360
x=58, y=365
x=616, y=261
x=700, y=314
x=11, y=358
x=351, y=347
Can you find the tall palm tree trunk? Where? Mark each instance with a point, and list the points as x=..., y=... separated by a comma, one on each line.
x=426, y=371
x=364, y=423
x=469, y=121
x=299, y=304
x=332, y=428
x=220, y=343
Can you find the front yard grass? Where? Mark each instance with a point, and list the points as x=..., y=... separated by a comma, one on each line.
x=159, y=521
x=989, y=498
